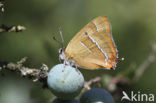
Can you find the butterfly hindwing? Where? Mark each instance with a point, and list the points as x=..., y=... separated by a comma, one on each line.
x=93, y=46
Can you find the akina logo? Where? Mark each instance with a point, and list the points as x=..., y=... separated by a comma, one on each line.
x=138, y=96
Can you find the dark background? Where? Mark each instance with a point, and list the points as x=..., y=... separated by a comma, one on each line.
x=133, y=27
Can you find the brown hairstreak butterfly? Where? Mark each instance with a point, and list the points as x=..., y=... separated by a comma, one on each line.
x=92, y=47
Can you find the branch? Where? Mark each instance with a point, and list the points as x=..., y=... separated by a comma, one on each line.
x=31, y=73
x=18, y=28
x=88, y=84
x=150, y=59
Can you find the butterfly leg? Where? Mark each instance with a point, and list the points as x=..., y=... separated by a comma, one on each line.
x=60, y=60
x=76, y=66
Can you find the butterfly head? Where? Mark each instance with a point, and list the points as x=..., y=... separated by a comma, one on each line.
x=62, y=54
x=64, y=58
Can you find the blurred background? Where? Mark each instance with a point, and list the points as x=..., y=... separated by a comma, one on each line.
x=133, y=28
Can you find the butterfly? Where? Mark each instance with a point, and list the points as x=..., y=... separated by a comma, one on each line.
x=92, y=47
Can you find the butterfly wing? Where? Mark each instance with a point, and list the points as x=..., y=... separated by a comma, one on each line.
x=93, y=46
x=99, y=24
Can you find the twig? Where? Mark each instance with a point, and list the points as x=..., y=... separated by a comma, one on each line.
x=31, y=73
x=150, y=59
x=88, y=84
x=18, y=28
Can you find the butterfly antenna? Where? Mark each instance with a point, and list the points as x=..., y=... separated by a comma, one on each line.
x=61, y=35
x=57, y=40
x=120, y=59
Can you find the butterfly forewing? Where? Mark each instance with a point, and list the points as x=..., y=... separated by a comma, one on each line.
x=97, y=25
x=93, y=46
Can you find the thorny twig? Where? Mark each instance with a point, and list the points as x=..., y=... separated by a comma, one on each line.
x=18, y=28
x=31, y=73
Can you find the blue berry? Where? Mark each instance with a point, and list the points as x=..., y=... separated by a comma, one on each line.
x=65, y=81
x=65, y=101
x=96, y=95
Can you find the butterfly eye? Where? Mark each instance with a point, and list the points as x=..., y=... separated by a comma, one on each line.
x=61, y=50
